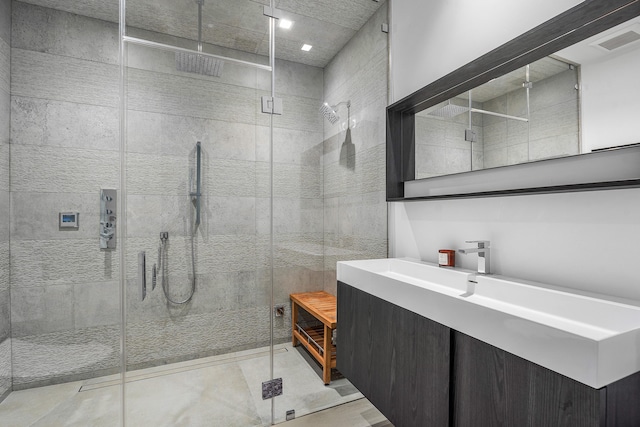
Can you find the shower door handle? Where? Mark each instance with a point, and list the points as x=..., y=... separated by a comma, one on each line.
x=142, y=276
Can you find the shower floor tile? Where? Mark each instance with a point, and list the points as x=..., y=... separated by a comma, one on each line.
x=220, y=390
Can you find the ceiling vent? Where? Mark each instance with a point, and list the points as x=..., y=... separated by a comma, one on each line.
x=619, y=39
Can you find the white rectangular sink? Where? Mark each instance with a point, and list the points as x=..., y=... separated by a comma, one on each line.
x=418, y=273
x=593, y=340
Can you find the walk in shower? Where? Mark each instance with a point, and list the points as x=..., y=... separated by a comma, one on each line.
x=183, y=139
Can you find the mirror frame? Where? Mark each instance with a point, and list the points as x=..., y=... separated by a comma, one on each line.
x=576, y=24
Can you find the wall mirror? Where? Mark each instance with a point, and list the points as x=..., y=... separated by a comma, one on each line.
x=551, y=110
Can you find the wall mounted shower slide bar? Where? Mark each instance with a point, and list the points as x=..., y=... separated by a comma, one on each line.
x=195, y=196
x=162, y=46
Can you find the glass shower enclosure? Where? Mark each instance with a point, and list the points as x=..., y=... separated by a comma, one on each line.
x=167, y=194
x=196, y=149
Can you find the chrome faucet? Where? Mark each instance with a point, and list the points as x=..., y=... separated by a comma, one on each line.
x=483, y=255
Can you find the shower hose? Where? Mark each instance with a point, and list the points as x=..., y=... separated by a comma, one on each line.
x=162, y=266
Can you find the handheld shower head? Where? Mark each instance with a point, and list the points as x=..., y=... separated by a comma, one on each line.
x=329, y=113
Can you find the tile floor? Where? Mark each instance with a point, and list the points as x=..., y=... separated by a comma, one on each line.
x=215, y=391
x=358, y=413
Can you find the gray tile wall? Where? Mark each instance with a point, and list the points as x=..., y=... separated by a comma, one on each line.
x=355, y=209
x=169, y=112
x=5, y=120
x=65, y=148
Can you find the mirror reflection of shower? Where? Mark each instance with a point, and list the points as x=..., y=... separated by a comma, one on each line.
x=162, y=269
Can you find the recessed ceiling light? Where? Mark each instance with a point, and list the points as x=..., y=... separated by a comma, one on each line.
x=306, y=47
x=285, y=23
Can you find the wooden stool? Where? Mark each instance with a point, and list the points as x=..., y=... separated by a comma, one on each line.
x=322, y=306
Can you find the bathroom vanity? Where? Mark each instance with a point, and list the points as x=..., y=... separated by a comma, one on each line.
x=444, y=347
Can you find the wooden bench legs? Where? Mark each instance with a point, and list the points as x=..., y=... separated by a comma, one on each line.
x=316, y=339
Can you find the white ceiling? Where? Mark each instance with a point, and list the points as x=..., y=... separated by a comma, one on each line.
x=588, y=51
x=327, y=25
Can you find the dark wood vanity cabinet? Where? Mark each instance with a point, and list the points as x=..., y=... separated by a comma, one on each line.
x=492, y=387
x=420, y=373
x=394, y=357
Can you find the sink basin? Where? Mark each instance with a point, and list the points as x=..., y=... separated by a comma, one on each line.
x=594, y=317
x=418, y=273
x=591, y=339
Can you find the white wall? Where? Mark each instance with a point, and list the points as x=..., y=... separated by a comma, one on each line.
x=587, y=240
x=611, y=102
x=429, y=39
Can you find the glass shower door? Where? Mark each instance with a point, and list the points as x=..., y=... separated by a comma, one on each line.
x=197, y=225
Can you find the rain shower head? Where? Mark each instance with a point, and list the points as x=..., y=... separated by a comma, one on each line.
x=449, y=110
x=329, y=113
x=199, y=64
x=196, y=62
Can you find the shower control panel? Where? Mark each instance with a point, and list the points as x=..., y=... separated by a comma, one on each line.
x=108, y=200
x=69, y=220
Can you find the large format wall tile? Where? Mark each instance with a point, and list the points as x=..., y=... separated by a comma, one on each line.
x=5, y=65
x=195, y=335
x=52, y=31
x=62, y=170
x=5, y=121
x=4, y=265
x=5, y=367
x=185, y=96
x=5, y=20
x=148, y=215
x=51, y=262
x=68, y=355
x=363, y=89
x=355, y=209
x=42, y=75
x=64, y=124
x=214, y=254
x=5, y=133
x=367, y=42
x=35, y=216
x=41, y=309
x=296, y=79
x=4, y=167
x=106, y=11
x=299, y=112
x=170, y=134
x=289, y=180
x=96, y=304
x=290, y=146
x=5, y=312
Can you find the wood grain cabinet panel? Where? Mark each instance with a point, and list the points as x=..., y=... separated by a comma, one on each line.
x=396, y=358
x=495, y=388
